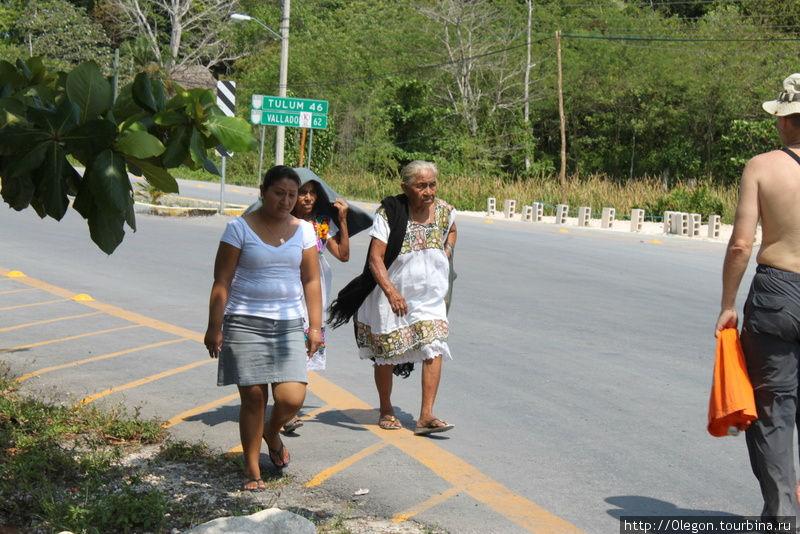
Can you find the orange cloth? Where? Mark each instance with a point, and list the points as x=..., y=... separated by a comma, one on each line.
x=732, y=406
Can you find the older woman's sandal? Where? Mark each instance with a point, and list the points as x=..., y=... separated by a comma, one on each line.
x=432, y=426
x=389, y=422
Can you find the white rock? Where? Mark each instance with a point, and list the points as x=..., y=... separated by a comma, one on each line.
x=266, y=522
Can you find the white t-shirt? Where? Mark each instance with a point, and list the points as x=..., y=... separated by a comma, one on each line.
x=267, y=279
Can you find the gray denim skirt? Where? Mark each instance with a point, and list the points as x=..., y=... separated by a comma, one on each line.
x=256, y=350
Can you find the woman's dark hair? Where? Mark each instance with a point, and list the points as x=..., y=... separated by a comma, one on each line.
x=279, y=172
x=320, y=205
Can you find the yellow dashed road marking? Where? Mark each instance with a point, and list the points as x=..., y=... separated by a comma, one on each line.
x=94, y=359
x=50, y=321
x=322, y=476
x=40, y=343
x=32, y=304
x=447, y=466
x=140, y=382
x=426, y=505
x=16, y=290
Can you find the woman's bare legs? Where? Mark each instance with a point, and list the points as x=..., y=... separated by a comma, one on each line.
x=431, y=374
x=251, y=426
x=288, y=399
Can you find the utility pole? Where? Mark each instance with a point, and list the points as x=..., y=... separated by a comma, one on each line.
x=527, y=117
x=280, y=131
x=562, y=174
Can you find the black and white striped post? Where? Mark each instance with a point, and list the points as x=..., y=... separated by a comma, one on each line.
x=226, y=100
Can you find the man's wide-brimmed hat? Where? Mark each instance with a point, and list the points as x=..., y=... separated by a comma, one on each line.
x=788, y=101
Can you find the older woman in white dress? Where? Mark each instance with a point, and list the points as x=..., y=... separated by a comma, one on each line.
x=401, y=315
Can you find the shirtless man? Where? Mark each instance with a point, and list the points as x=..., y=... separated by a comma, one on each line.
x=770, y=191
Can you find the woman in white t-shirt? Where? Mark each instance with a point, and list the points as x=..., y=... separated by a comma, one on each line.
x=265, y=275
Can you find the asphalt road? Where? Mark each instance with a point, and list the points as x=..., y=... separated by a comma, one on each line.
x=579, y=386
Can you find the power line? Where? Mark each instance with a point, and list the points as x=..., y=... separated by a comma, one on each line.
x=679, y=39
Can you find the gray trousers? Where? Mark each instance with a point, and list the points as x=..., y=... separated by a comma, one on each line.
x=771, y=343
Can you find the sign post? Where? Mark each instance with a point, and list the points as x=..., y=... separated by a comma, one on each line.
x=226, y=100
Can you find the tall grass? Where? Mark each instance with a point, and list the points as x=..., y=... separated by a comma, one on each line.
x=469, y=192
x=597, y=191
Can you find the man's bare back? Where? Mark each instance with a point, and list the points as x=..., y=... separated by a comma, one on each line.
x=778, y=180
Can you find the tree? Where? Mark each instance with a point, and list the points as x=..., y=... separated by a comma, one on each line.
x=46, y=117
x=179, y=33
x=62, y=33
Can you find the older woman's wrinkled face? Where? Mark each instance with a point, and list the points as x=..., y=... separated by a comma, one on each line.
x=422, y=189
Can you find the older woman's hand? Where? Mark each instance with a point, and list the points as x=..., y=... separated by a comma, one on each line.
x=342, y=207
x=397, y=302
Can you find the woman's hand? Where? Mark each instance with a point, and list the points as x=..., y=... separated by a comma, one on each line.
x=314, y=341
x=728, y=318
x=213, y=342
x=342, y=207
x=397, y=302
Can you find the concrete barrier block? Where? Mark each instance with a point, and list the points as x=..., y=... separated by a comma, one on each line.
x=695, y=220
x=679, y=223
x=667, y=220
x=491, y=206
x=538, y=211
x=527, y=213
x=584, y=215
x=607, y=217
x=714, y=226
x=509, y=208
x=561, y=213
x=637, y=220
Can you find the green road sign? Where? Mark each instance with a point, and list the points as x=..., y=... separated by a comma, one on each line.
x=302, y=119
x=285, y=104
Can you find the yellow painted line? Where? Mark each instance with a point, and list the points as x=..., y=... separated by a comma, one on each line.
x=200, y=409
x=563, y=231
x=655, y=241
x=111, y=310
x=94, y=359
x=32, y=304
x=70, y=338
x=136, y=383
x=322, y=476
x=15, y=274
x=426, y=505
x=16, y=290
x=488, y=221
x=444, y=464
x=50, y=321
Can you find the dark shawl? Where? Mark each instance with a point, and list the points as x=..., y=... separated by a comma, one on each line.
x=356, y=291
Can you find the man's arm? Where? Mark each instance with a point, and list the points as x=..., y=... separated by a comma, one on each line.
x=740, y=246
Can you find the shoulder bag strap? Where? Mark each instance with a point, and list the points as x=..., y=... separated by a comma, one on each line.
x=792, y=154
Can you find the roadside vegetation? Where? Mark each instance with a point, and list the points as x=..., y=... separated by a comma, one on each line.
x=91, y=471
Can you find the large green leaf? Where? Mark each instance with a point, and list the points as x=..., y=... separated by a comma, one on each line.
x=197, y=148
x=140, y=145
x=11, y=111
x=29, y=160
x=169, y=118
x=232, y=132
x=88, y=140
x=177, y=148
x=106, y=232
x=156, y=175
x=108, y=181
x=57, y=122
x=17, y=140
x=142, y=92
x=17, y=191
x=90, y=91
x=51, y=189
x=10, y=78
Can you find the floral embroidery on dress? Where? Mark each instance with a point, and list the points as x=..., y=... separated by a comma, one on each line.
x=402, y=340
x=322, y=224
x=424, y=236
